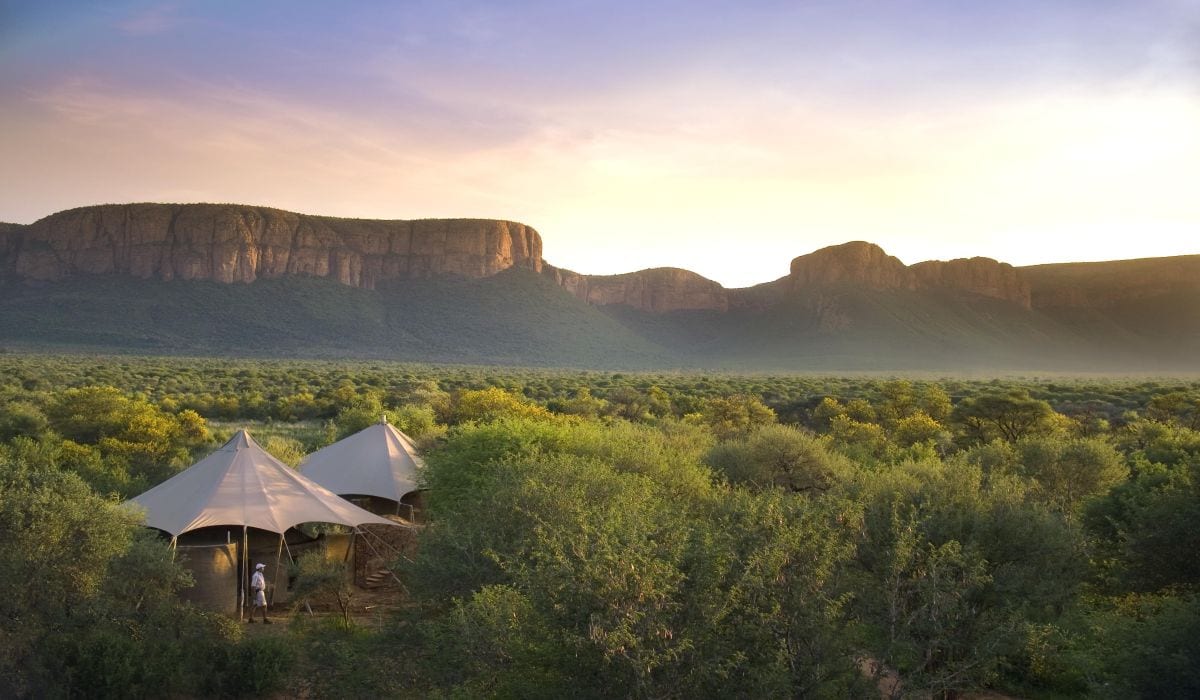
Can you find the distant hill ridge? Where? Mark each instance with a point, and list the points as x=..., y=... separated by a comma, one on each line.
x=160, y=277
x=240, y=243
x=236, y=243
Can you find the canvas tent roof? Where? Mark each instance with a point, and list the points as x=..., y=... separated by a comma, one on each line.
x=242, y=485
x=378, y=461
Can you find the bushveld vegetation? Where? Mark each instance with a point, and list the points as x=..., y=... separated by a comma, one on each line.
x=599, y=534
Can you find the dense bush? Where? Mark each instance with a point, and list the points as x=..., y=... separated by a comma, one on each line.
x=623, y=534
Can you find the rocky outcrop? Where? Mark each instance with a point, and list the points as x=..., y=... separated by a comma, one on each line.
x=867, y=266
x=1105, y=284
x=859, y=263
x=658, y=290
x=232, y=243
x=982, y=276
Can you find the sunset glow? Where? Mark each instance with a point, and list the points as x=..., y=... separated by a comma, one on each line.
x=718, y=137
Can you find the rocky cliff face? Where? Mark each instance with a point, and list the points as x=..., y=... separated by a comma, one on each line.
x=982, y=276
x=231, y=243
x=857, y=262
x=234, y=243
x=866, y=265
x=658, y=290
x=1105, y=284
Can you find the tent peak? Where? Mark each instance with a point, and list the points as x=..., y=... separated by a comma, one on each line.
x=240, y=440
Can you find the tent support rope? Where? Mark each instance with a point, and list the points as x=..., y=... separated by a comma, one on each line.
x=376, y=552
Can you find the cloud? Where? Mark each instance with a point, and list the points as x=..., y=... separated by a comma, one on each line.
x=152, y=20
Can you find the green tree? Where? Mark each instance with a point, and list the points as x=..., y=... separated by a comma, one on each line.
x=934, y=402
x=1164, y=443
x=150, y=445
x=301, y=405
x=1180, y=407
x=492, y=403
x=323, y=581
x=358, y=413
x=287, y=450
x=59, y=538
x=950, y=568
x=21, y=419
x=766, y=608
x=555, y=571
x=918, y=427
x=898, y=399
x=734, y=416
x=629, y=403
x=783, y=456
x=862, y=442
x=417, y=421
x=581, y=404
x=1010, y=416
x=1147, y=530
x=1149, y=647
x=824, y=413
x=1070, y=470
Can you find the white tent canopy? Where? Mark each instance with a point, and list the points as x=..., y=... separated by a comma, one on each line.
x=242, y=485
x=378, y=461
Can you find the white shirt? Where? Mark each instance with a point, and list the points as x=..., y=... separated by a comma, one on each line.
x=257, y=582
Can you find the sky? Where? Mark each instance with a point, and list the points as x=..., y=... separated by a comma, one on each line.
x=721, y=137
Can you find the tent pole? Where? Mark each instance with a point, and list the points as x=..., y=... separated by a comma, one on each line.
x=242, y=579
x=174, y=546
x=355, y=534
x=275, y=576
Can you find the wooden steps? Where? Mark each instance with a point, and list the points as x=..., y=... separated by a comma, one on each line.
x=377, y=578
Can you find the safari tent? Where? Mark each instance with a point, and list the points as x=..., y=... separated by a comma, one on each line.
x=239, y=505
x=375, y=468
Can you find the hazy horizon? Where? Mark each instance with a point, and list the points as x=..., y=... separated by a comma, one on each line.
x=721, y=138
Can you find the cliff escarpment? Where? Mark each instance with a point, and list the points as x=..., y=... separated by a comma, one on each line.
x=867, y=266
x=234, y=243
x=1105, y=284
x=237, y=243
x=164, y=278
x=658, y=290
x=859, y=264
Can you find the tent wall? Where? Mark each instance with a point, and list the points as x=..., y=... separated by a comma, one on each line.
x=214, y=568
x=214, y=564
x=377, y=505
x=413, y=506
x=336, y=546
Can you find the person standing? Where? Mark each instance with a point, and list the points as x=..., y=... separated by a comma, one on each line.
x=258, y=586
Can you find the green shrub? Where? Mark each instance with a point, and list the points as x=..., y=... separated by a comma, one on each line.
x=255, y=666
